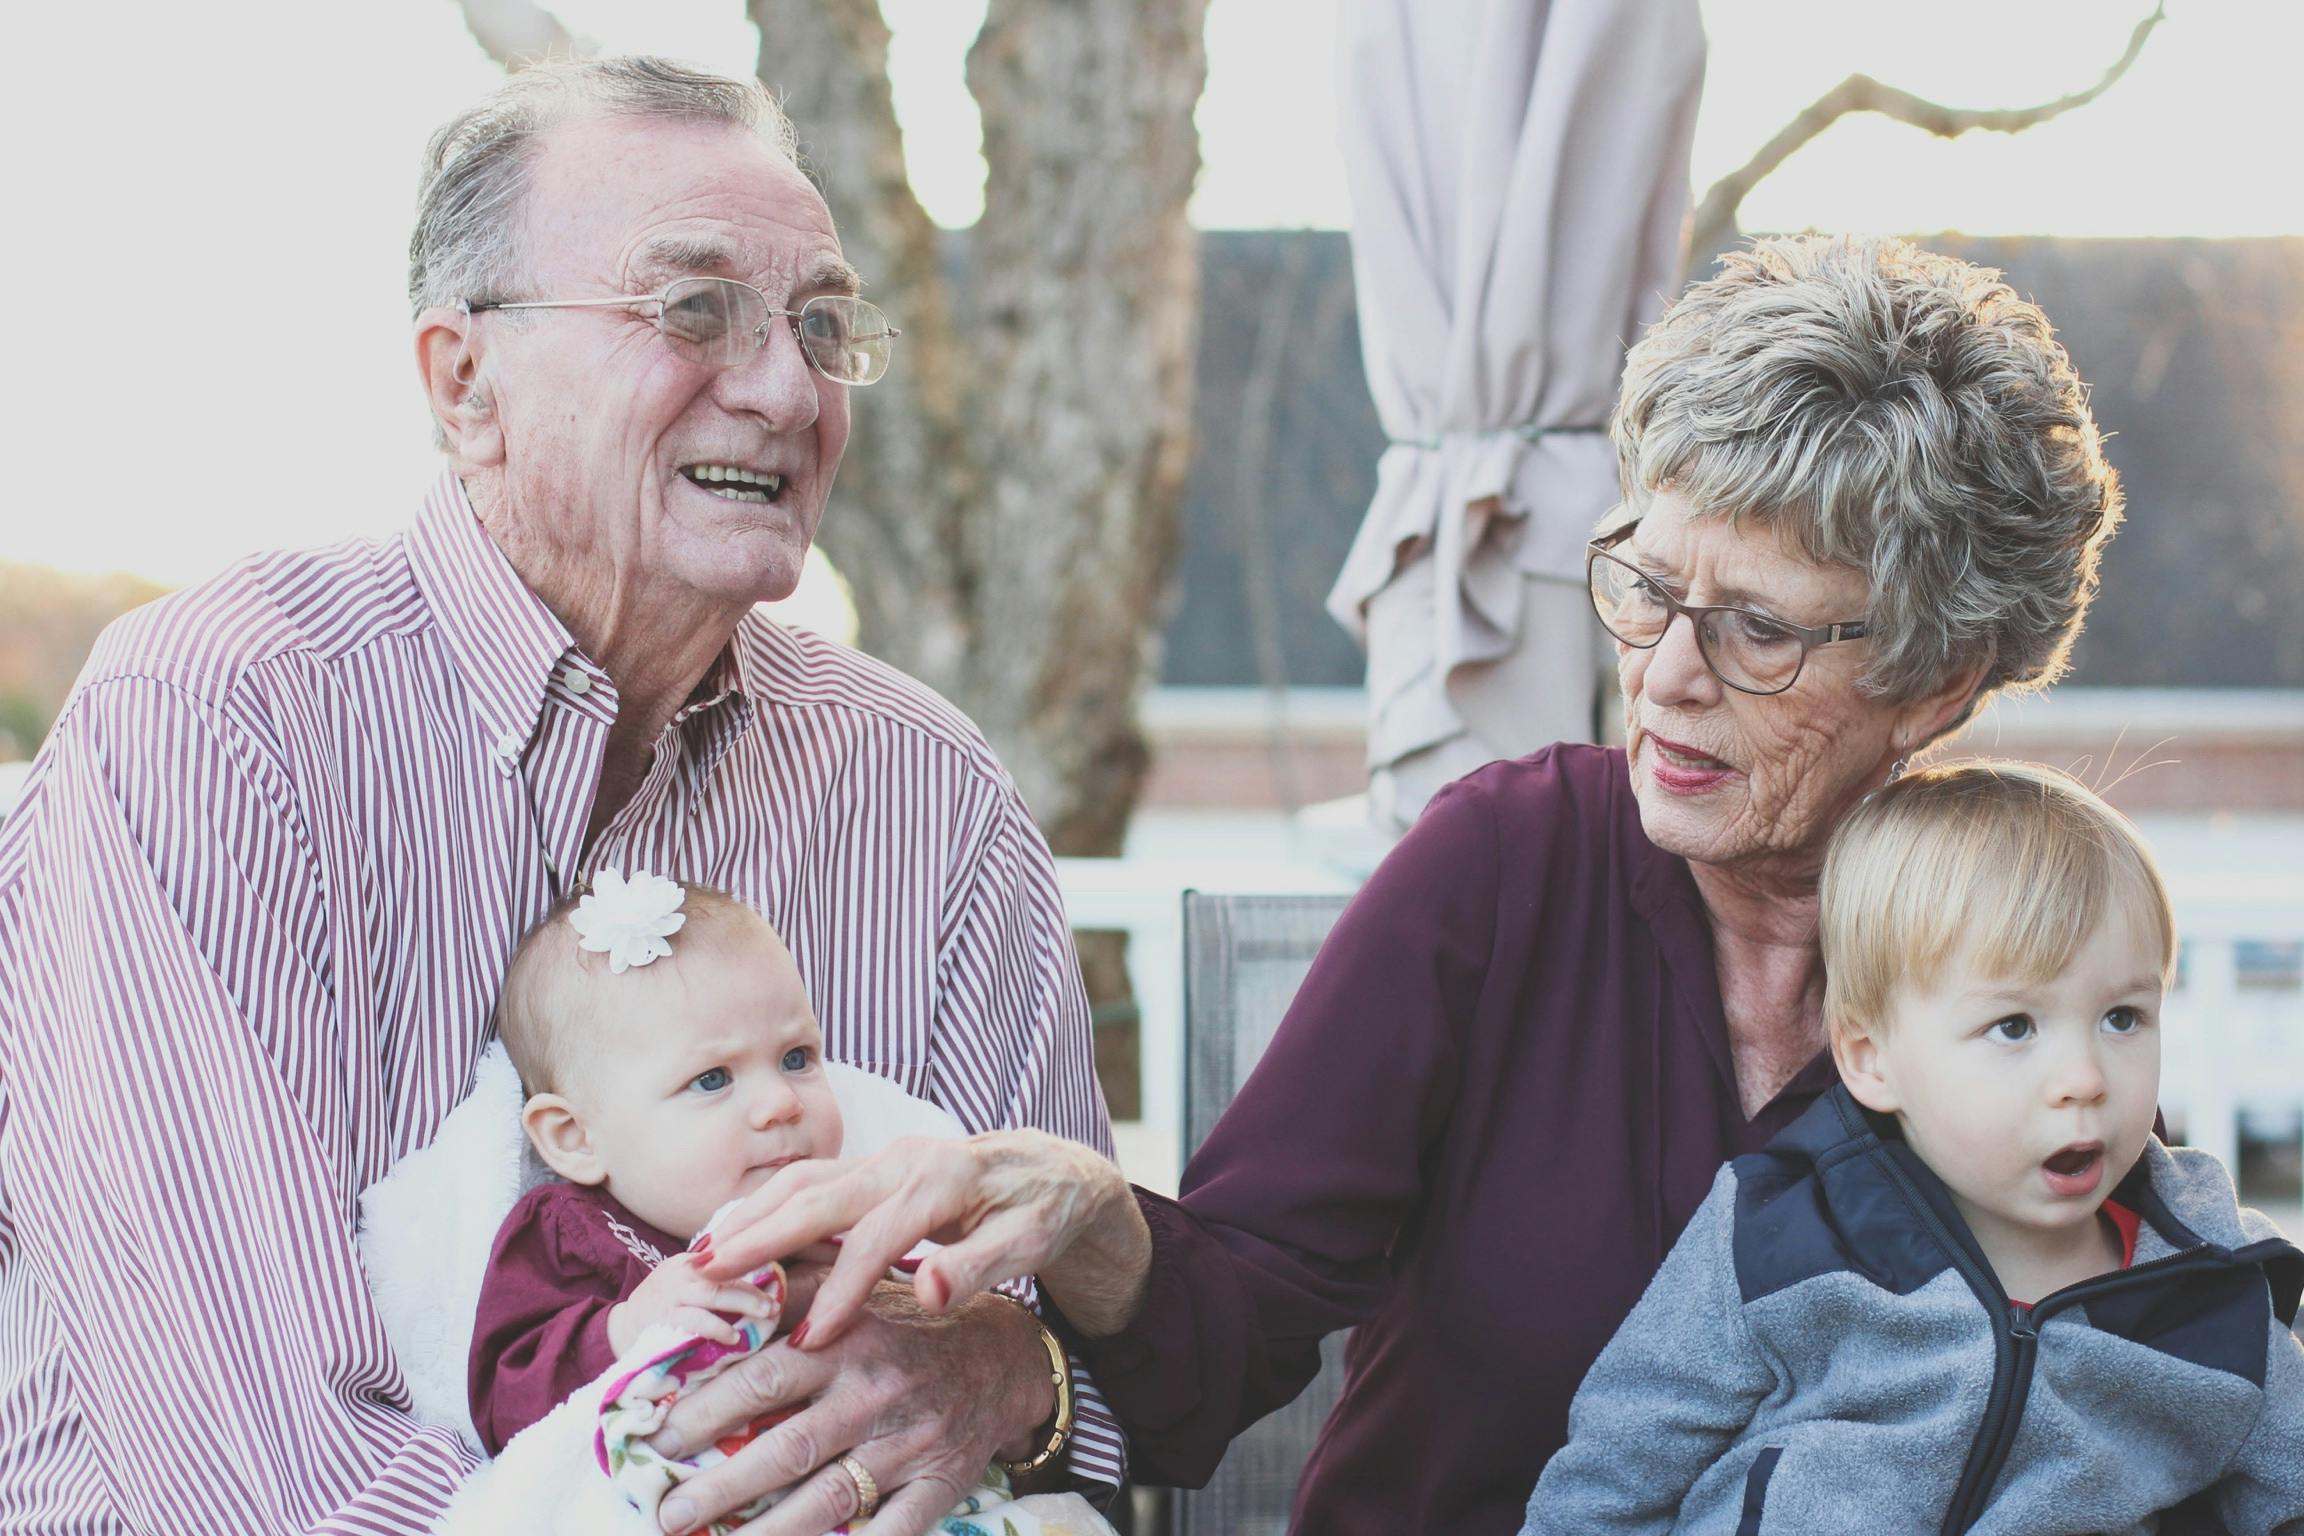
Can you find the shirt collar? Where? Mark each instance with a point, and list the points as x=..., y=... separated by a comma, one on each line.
x=503, y=639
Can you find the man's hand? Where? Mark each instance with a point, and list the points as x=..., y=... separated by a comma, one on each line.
x=923, y=1402
x=680, y=1295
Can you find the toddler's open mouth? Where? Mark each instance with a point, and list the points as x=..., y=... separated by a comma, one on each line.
x=2076, y=1169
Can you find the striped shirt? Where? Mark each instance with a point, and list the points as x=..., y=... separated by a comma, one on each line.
x=255, y=903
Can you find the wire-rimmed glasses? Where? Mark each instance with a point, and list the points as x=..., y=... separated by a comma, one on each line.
x=1751, y=652
x=722, y=323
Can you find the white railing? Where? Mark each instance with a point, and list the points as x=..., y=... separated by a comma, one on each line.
x=2232, y=1047
x=2229, y=1048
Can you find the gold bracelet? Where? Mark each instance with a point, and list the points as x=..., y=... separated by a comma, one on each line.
x=1060, y=1377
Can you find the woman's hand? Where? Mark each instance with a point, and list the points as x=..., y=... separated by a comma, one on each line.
x=1004, y=1204
x=924, y=1403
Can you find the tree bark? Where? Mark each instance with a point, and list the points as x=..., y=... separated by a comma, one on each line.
x=1713, y=229
x=1007, y=515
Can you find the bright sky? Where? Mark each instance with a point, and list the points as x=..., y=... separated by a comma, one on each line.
x=235, y=182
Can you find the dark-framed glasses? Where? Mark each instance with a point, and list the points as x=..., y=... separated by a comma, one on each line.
x=722, y=323
x=1750, y=651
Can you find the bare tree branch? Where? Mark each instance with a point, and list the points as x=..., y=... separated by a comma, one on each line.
x=517, y=33
x=1714, y=226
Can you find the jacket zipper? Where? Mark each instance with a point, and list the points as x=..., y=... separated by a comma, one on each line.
x=1984, y=1455
x=2020, y=1326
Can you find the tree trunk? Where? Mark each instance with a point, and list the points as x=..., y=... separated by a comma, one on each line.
x=1007, y=514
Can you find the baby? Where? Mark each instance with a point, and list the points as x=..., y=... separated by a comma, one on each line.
x=659, y=1093
x=1969, y=1289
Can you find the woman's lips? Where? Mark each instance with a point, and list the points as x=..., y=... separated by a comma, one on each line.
x=2075, y=1171
x=1682, y=769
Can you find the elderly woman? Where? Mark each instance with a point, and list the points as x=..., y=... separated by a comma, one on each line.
x=1867, y=479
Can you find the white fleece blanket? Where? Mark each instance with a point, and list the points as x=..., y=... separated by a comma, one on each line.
x=426, y=1229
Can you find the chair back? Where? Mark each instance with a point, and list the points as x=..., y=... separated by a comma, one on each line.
x=1244, y=958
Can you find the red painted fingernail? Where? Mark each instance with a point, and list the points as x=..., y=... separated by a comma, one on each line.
x=800, y=1336
x=704, y=1243
x=908, y=1264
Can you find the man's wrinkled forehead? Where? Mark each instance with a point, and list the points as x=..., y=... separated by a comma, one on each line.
x=619, y=198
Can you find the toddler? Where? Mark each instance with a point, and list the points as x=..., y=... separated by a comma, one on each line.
x=1968, y=1289
x=659, y=1093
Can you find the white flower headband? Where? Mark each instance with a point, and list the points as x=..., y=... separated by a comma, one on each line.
x=630, y=921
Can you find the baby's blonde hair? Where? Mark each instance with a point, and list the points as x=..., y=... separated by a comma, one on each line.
x=542, y=1006
x=2020, y=860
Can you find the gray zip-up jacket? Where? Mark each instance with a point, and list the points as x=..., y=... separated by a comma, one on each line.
x=1826, y=1350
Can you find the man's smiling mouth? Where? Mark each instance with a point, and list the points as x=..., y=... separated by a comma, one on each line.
x=732, y=482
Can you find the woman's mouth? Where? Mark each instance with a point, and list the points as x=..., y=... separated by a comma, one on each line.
x=1682, y=769
x=2076, y=1170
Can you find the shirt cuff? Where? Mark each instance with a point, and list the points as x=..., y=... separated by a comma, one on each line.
x=1097, y=1453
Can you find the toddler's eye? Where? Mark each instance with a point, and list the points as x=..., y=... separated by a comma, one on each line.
x=2124, y=1021
x=712, y=1081
x=797, y=1059
x=2013, y=1030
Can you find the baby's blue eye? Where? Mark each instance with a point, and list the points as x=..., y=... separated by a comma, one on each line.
x=2124, y=1021
x=712, y=1081
x=2014, y=1029
x=796, y=1059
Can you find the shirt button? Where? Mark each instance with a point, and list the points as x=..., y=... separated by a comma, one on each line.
x=577, y=679
x=508, y=745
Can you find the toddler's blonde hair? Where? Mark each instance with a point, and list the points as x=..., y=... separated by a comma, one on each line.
x=2019, y=861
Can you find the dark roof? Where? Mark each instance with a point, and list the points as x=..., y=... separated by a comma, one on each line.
x=2194, y=350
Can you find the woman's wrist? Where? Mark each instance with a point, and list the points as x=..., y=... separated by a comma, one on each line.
x=1100, y=1278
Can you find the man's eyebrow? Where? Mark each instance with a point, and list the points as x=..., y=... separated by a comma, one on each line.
x=688, y=253
x=832, y=275
x=702, y=253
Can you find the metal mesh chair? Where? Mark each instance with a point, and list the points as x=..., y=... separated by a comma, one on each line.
x=1244, y=957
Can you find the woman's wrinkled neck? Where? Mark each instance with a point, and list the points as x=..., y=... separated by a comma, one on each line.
x=1769, y=903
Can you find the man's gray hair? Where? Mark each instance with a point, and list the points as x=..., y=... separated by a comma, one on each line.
x=478, y=166
x=1896, y=411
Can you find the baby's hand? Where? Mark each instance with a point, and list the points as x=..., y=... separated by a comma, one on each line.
x=679, y=1296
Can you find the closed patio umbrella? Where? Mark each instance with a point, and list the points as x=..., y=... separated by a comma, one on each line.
x=1519, y=181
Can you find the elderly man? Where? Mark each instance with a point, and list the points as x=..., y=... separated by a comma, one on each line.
x=265, y=878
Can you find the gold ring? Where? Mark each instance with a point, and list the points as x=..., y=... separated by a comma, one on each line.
x=867, y=1491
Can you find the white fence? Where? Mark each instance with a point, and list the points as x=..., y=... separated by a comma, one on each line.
x=2233, y=1032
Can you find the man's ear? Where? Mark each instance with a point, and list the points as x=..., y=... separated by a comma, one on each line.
x=557, y=1132
x=448, y=358
x=1856, y=1052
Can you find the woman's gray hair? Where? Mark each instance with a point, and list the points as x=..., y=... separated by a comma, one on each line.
x=1897, y=411
x=478, y=166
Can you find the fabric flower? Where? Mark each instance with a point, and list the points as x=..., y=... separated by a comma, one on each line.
x=629, y=921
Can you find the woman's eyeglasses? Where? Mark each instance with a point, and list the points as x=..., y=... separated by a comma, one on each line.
x=1749, y=651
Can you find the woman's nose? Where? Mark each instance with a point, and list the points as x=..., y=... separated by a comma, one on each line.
x=1673, y=670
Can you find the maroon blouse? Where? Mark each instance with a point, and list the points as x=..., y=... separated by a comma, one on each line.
x=1502, y=1091
x=564, y=1257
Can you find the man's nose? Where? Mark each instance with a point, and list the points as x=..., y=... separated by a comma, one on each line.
x=776, y=383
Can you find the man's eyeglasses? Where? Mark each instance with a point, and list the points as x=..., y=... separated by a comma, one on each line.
x=722, y=323
x=1749, y=651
